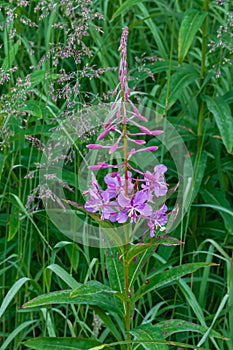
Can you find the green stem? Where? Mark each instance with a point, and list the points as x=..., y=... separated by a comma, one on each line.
x=125, y=159
x=127, y=303
x=126, y=247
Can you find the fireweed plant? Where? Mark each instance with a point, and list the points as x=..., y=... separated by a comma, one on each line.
x=129, y=196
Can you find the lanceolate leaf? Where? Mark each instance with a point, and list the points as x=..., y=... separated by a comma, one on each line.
x=115, y=269
x=167, y=277
x=191, y=23
x=170, y=327
x=223, y=117
x=91, y=293
x=60, y=343
x=152, y=333
x=103, y=300
x=137, y=249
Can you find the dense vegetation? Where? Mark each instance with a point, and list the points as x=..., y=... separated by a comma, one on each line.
x=60, y=58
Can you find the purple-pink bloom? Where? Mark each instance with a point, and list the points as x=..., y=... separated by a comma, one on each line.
x=133, y=207
x=155, y=182
x=158, y=219
x=99, y=201
x=116, y=184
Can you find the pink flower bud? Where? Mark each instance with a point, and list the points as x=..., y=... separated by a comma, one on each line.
x=150, y=149
x=99, y=166
x=140, y=117
x=113, y=105
x=114, y=91
x=94, y=146
x=145, y=130
x=104, y=133
x=108, y=123
x=156, y=132
x=139, y=142
x=102, y=165
x=113, y=148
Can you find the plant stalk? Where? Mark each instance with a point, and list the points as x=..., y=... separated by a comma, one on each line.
x=126, y=247
x=127, y=303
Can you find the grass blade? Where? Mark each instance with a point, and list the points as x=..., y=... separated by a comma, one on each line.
x=11, y=293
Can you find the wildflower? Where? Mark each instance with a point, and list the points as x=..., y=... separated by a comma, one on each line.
x=133, y=207
x=116, y=184
x=155, y=182
x=158, y=219
x=126, y=198
x=99, y=201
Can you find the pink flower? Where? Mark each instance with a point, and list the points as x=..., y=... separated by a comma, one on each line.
x=158, y=219
x=99, y=201
x=133, y=207
x=116, y=184
x=155, y=182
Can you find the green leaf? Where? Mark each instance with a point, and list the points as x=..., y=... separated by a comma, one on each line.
x=91, y=293
x=61, y=343
x=167, y=277
x=11, y=293
x=217, y=199
x=200, y=167
x=9, y=59
x=14, y=222
x=115, y=269
x=108, y=322
x=2, y=163
x=217, y=314
x=137, y=249
x=67, y=278
x=91, y=287
x=192, y=21
x=33, y=108
x=156, y=67
x=154, y=30
x=151, y=333
x=179, y=81
x=15, y=332
x=40, y=76
x=111, y=232
x=173, y=326
x=125, y=6
x=223, y=117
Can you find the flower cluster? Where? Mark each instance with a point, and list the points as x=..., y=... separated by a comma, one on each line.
x=127, y=197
